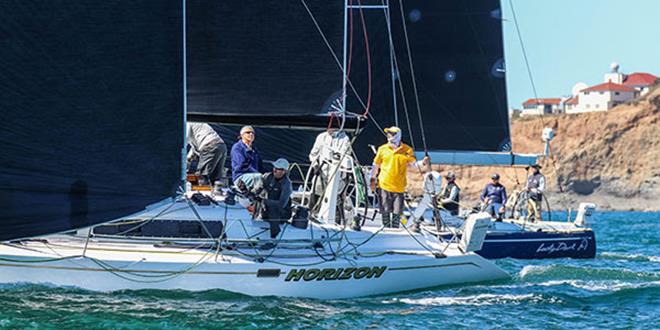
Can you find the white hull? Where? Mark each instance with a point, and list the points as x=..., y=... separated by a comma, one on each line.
x=385, y=261
x=401, y=274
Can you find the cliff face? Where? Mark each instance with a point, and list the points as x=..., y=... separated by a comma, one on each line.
x=611, y=158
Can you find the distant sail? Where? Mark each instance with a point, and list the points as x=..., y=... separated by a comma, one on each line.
x=91, y=119
x=458, y=60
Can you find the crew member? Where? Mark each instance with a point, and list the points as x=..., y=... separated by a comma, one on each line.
x=330, y=148
x=208, y=146
x=494, y=197
x=244, y=156
x=450, y=194
x=277, y=203
x=535, y=187
x=392, y=160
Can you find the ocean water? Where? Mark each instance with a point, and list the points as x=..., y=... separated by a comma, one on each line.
x=618, y=289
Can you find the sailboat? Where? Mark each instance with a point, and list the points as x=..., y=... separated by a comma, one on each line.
x=93, y=192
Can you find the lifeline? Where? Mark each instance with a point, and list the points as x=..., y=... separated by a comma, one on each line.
x=330, y=274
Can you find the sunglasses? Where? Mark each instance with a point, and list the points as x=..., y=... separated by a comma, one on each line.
x=248, y=132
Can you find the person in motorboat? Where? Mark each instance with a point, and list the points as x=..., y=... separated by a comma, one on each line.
x=276, y=206
x=245, y=157
x=450, y=194
x=210, y=149
x=494, y=197
x=535, y=187
x=390, y=167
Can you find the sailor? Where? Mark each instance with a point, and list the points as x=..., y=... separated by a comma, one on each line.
x=449, y=197
x=494, y=197
x=208, y=146
x=244, y=156
x=330, y=147
x=277, y=202
x=392, y=160
x=535, y=187
x=327, y=145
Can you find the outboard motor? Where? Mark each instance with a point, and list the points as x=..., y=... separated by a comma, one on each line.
x=474, y=234
x=300, y=217
x=584, y=214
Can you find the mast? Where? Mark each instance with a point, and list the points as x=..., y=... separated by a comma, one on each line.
x=344, y=50
x=392, y=67
x=185, y=97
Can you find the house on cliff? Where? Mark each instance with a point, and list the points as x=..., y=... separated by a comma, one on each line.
x=617, y=88
x=539, y=107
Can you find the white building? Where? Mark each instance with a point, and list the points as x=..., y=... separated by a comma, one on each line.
x=600, y=98
x=617, y=88
x=640, y=81
x=538, y=107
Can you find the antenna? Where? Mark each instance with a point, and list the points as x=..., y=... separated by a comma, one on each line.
x=614, y=66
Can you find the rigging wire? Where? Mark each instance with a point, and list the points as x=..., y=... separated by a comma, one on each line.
x=368, y=52
x=412, y=73
x=386, y=12
x=332, y=52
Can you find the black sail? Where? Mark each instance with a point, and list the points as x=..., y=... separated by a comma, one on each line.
x=91, y=111
x=264, y=62
x=457, y=58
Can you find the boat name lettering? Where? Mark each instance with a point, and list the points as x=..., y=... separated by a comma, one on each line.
x=562, y=246
x=330, y=274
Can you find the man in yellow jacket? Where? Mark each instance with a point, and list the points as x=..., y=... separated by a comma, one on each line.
x=393, y=159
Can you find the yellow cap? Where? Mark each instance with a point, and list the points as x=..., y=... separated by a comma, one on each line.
x=392, y=129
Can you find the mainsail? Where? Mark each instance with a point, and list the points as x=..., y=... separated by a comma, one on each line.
x=434, y=68
x=450, y=85
x=91, y=111
x=273, y=64
x=265, y=62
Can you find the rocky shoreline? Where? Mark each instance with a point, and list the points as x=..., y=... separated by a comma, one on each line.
x=608, y=158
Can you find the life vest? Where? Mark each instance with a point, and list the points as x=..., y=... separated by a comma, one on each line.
x=452, y=206
x=533, y=182
x=273, y=188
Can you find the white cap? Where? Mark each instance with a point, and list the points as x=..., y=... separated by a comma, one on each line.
x=281, y=163
x=247, y=129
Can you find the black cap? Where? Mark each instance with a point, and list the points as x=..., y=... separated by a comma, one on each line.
x=536, y=166
x=495, y=176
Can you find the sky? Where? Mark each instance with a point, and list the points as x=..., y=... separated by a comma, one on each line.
x=570, y=41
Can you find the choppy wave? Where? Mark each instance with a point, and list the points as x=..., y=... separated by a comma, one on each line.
x=629, y=256
x=601, y=285
x=540, y=272
x=474, y=300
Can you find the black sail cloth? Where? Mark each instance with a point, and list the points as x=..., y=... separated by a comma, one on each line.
x=457, y=56
x=91, y=119
x=249, y=60
x=265, y=63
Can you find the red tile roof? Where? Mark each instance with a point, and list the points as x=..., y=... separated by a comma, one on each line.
x=541, y=101
x=609, y=86
x=572, y=100
x=640, y=79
